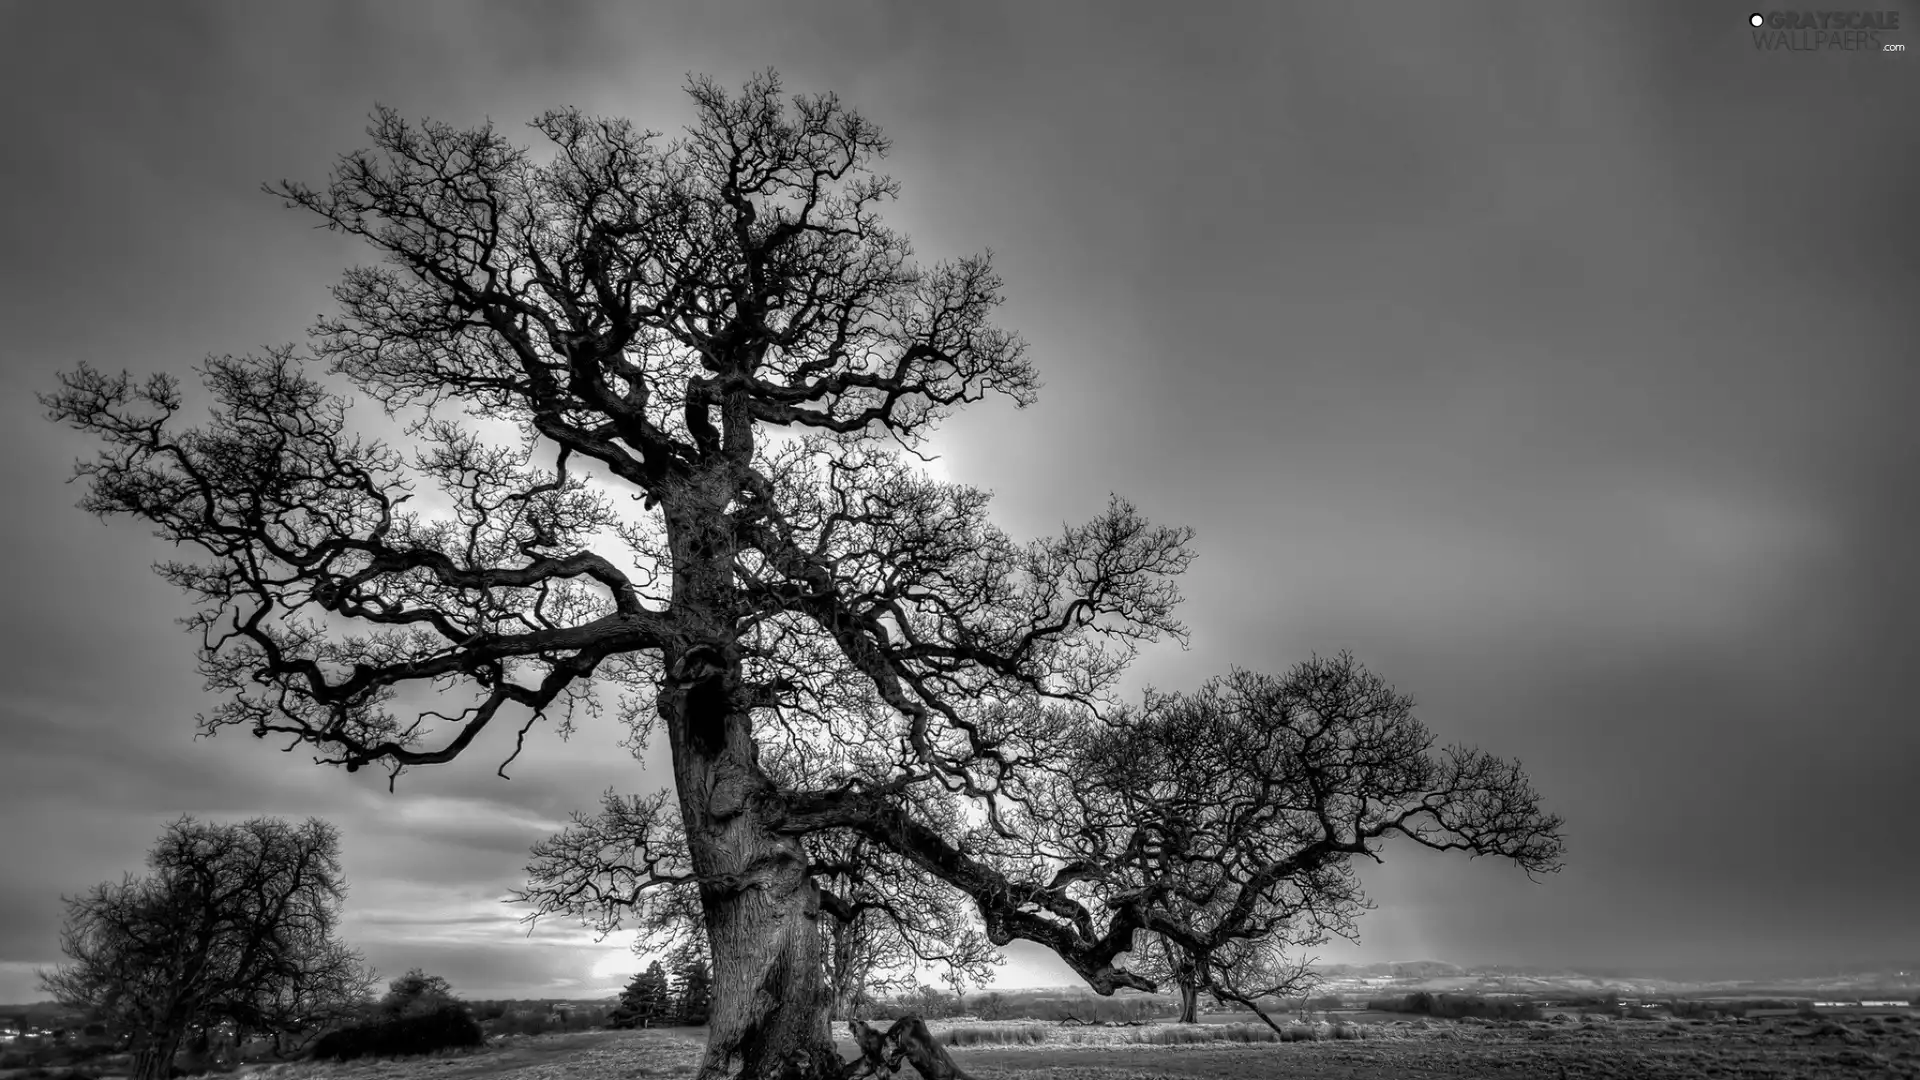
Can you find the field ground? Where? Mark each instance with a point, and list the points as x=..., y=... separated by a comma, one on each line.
x=1773, y=1049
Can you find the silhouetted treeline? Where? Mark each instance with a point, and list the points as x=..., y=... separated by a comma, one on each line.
x=1456, y=1006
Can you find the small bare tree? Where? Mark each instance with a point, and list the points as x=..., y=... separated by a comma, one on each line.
x=1235, y=814
x=235, y=924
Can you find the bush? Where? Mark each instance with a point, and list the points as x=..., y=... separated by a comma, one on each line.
x=447, y=1027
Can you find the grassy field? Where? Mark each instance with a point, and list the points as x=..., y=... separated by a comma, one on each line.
x=1773, y=1049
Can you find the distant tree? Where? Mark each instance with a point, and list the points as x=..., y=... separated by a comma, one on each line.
x=1235, y=813
x=416, y=993
x=931, y=1001
x=1159, y=959
x=645, y=1001
x=235, y=923
x=693, y=997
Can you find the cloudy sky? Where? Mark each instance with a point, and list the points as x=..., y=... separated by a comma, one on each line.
x=1556, y=359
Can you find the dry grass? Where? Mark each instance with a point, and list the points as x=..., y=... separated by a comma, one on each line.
x=980, y=1034
x=1186, y=1034
x=1786, y=1049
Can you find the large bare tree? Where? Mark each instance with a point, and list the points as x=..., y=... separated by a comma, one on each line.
x=721, y=328
x=235, y=924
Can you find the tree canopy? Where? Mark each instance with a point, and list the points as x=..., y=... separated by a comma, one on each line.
x=1237, y=811
x=417, y=992
x=236, y=923
x=645, y=999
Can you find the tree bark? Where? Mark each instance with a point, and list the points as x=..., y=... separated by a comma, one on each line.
x=770, y=998
x=769, y=1016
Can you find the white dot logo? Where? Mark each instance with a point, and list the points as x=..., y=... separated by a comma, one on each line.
x=1757, y=19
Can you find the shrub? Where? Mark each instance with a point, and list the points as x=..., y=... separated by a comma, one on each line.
x=446, y=1027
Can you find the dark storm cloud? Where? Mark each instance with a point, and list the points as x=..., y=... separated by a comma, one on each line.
x=1555, y=360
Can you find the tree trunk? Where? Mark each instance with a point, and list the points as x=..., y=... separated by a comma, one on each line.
x=1189, y=1003
x=153, y=1060
x=769, y=1013
x=770, y=1000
